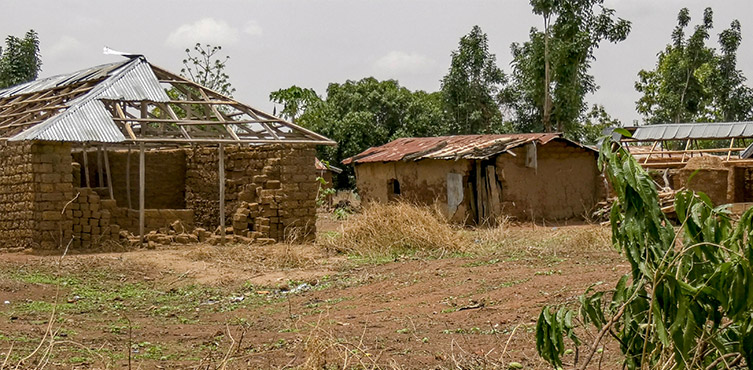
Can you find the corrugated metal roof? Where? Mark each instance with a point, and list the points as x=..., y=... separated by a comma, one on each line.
x=451, y=147
x=87, y=118
x=84, y=75
x=693, y=131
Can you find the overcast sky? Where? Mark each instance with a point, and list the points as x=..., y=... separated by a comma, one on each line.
x=278, y=43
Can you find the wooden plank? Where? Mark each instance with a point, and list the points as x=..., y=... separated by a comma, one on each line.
x=222, y=192
x=193, y=121
x=230, y=141
x=142, y=182
x=109, y=176
x=86, y=166
x=128, y=177
x=100, y=175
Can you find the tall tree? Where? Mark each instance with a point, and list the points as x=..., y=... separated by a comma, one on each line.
x=691, y=81
x=550, y=76
x=20, y=60
x=365, y=113
x=294, y=101
x=471, y=88
x=207, y=68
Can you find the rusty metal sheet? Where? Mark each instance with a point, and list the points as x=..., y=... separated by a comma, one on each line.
x=451, y=147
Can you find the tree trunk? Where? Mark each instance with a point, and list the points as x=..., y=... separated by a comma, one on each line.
x=547, y=112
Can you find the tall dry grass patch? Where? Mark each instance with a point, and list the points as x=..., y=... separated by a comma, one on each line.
x=394, y=229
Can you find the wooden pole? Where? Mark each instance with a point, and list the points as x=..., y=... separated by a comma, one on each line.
x=128, y=177
x=100, y=175
x=109, y=176
x=86, y=166
x=142, y=180
x=222, y=193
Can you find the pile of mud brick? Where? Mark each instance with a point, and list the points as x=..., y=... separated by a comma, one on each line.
x=92, y=220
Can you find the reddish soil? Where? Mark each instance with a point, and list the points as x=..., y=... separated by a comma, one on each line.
x=413, y=313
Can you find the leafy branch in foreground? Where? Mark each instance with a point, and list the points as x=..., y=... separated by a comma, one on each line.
x=687, y=303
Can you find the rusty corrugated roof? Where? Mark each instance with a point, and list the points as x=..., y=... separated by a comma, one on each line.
x=450, y=147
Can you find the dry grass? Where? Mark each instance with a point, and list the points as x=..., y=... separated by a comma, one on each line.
x=394, y=229
x=538, y=241
x=268, y=257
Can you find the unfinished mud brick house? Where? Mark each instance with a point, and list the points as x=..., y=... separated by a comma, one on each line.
x=93, y=153
x=478, y=178
x=714, y=158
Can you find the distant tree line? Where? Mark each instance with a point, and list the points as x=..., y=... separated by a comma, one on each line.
x=545, y=91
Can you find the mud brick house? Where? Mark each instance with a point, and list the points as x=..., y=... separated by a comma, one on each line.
x=714, y=158
x=92, y=153
x=478, y=178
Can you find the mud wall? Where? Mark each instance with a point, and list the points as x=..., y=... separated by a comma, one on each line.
x=423, y=182
x=712, y=181
x=165, y=180
x=35, y=185
x=564, y=184
x=278, y=181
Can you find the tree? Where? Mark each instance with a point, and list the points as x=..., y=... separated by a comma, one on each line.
x=691, y=81
x=686, y=303
x=294, y=101
x=20, y=61
x=365, y=113
x=550, y=76
x=471, y=88
x=207, y=68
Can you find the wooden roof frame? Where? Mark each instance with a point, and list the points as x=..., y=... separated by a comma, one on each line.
x=194, y=114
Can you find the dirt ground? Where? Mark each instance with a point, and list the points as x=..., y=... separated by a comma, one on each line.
x=298, y=306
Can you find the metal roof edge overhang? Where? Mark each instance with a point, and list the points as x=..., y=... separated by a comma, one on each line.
x=690, y=131
x=472, y=147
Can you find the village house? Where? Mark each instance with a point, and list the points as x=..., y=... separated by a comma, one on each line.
x=105, y=153
x=481, y=178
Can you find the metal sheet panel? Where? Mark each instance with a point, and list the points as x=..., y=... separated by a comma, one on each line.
x=87, y=119
x=451, y=147
x=682, y=131
x=89, y=74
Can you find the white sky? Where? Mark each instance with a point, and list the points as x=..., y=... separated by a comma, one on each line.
x=277, y=43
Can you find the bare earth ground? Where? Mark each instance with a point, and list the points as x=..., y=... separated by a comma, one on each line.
x=298, y=306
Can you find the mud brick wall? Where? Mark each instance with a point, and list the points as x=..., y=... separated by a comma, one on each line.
x=92, y=220
x=280, y=181
x=165, y=176
x=16, y=195
x=52, y=190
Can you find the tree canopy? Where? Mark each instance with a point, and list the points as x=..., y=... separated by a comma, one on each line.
x=550, y=78
x=20, y=61
x=361, y=114
x=471, y=89
x=692, y=81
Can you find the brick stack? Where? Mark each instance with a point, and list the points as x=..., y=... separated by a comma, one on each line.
x=273, y=186
x=92, y=224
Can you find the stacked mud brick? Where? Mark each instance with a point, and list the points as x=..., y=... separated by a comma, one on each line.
x=16, y=195
x=92, y=218
x=270, y=190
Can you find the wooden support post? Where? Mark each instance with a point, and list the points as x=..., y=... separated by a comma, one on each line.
x=687, y=146
x=100, y=175
x=128, y=177
x=142, y=181
x=653, y=147
x=731, y=145
x=86, y=166
x=107, y=171
x=222, y=193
